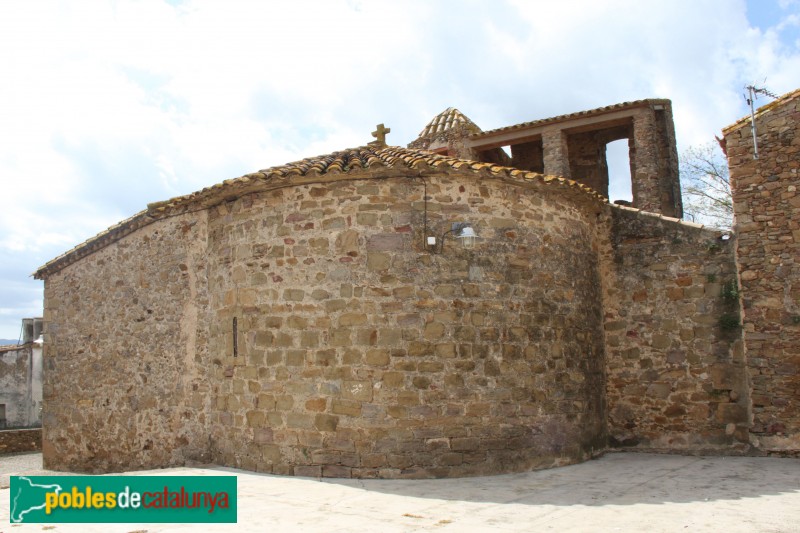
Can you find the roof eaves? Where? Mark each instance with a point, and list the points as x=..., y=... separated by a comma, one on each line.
x=579, y=114
x=761, y=110
x=372, y=162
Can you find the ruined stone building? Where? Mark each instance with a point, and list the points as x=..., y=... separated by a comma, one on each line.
x=21, y=379
x=336, y=317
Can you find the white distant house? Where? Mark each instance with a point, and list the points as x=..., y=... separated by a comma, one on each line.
x=21, y=378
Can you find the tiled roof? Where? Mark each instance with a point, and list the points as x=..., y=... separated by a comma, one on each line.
x=356, y=163
x=446, y=120
x=763, y=109
x=579, y=114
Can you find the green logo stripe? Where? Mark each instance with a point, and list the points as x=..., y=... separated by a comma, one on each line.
x=122, y=499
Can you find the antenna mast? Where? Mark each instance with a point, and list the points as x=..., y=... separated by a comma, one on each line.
x=753, y=93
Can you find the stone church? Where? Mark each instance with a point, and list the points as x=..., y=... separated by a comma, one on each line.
x=469, y=305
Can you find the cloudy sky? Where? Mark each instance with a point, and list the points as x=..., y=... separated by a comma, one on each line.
x=108, y=105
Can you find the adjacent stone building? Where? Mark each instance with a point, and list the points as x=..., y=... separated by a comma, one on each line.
x=21, y=379
x=767, y=210
x=328, y=318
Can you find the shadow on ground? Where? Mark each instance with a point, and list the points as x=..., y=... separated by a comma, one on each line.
x=614, y=479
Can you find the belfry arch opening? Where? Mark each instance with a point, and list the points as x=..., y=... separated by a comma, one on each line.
x=587, y=152
x=624, y=151
x=619, y=171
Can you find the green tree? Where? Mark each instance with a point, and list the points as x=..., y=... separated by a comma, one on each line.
x=705, y=185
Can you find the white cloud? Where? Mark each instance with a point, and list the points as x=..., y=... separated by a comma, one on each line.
x=108, y=105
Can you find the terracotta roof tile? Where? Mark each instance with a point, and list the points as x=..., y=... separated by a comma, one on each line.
x=672, y=220
x=446, y=120
x=366, y=161
x=763, y=109
x=578, y=114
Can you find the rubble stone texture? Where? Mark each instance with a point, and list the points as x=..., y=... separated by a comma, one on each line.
x=363, y=354
x=124, y=384
x=20, y=440
x=295, y=320
x=358, y=351
x=767, y=214
x=676, y=377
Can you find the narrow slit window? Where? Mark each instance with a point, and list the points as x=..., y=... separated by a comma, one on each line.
x=235, y=337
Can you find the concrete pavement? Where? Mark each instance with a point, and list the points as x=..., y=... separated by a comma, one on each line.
x=618, y=492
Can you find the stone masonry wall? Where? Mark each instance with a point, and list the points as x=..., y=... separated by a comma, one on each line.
x=20, y=440
x=304, y=327
x=528, y=156
x=675, y=364
x=124, y=353
x=361, y=354
x=20, y=377
x=767, y=221
x=587, y=160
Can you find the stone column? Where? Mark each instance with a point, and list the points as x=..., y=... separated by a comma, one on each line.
x=654, y=162
x=556, y=153
x=644, y=163
x=671, y=201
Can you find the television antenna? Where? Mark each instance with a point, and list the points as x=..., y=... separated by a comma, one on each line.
x=752, y=94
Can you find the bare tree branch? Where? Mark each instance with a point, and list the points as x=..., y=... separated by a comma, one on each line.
x=706, y=186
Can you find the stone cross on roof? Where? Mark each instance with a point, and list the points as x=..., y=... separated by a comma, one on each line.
x=380, y=134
